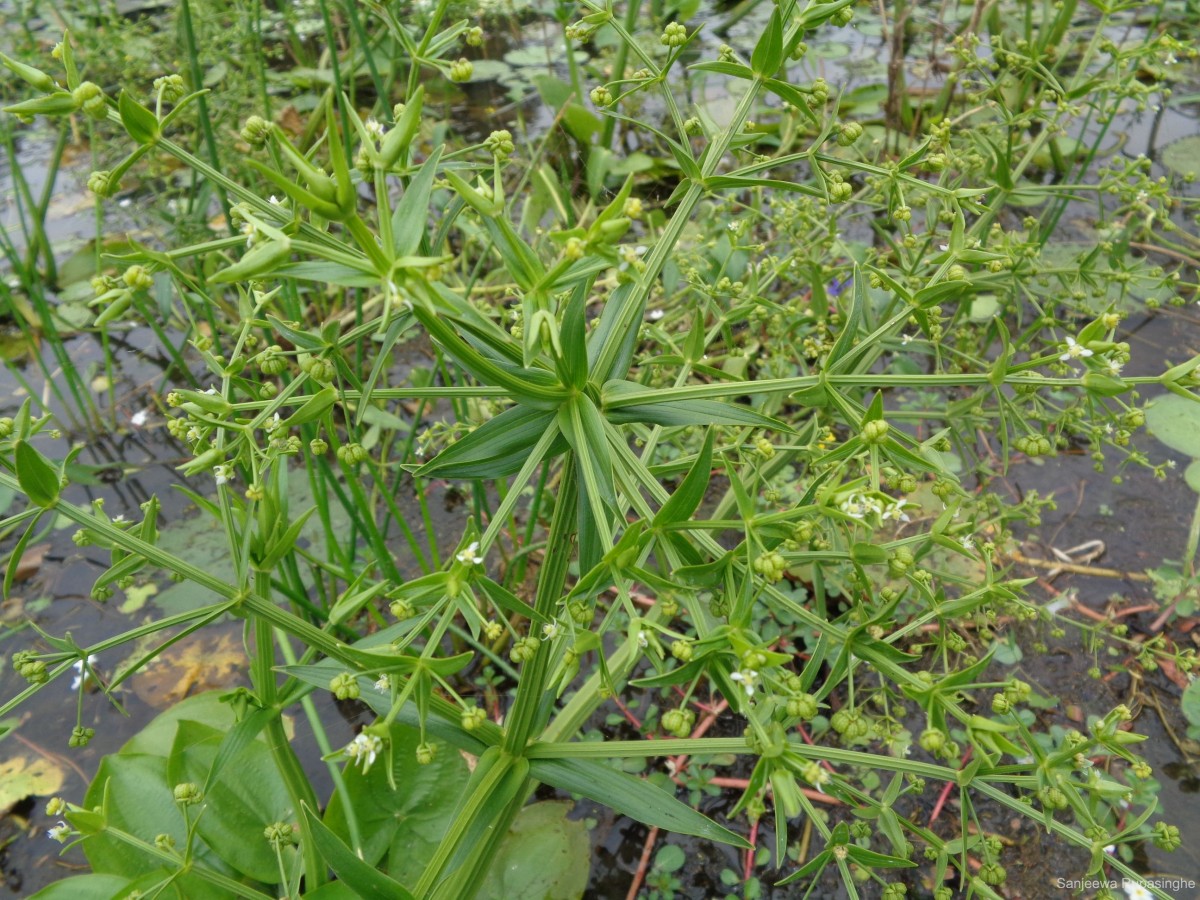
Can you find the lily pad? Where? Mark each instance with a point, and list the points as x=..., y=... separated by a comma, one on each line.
x=21, y=777
x=1183, y=156
x=1175, y=421
x=544, y=855
x=405, y=824
x=1192, y=475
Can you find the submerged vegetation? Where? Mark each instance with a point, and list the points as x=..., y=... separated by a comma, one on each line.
x=723, y=359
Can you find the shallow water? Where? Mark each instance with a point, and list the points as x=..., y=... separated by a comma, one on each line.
x=1141, y=522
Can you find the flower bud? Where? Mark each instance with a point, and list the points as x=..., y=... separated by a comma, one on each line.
x=344, y=686
x=90, y=98
x=188, y=793
x=256, y=131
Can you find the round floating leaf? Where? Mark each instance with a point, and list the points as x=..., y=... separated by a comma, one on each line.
x=1190, y=703
x=1192, y=476
x=1175, y=421
x=832, y=50
x=545, y=855
x=1183, y=156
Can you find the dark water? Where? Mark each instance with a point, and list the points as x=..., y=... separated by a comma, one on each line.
x=1141, y=522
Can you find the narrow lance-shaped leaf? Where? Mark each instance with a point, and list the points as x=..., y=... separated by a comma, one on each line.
x=687, y=496
x=630, y=796
x=358, y=875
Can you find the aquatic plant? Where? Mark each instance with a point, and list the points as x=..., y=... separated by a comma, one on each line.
x=718, y=426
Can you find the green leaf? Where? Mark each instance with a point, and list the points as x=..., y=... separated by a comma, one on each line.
x=725, y=68
x=412, y=212
x=874, y=860
x=692, y=412
x=249, y=796
x=768, y=52
x=140, y=122
x=498, y=447
x=1175, y=421
x=508, y=601
x=573, y=368
x=312, y=409
x=1189, y=704
x=814, y=865
x=544, y=855
x=38, y=478
x=630, y=796
x=691, y=490
x=357, y=874
x=84, y=887
x=14, y=558
x=140, y=802
x=337, y=273
x=604, y=334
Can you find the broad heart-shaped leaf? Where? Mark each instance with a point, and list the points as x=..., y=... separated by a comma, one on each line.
x=630, y=796
x=249, y=796
x=359, y=875
x=37, y=477
x=405, y=825
x=498, y=447
x=687, y=496
x=544, y=855
x=141, y=803
x=1175, y=421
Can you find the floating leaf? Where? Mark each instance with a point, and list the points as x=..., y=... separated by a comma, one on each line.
x=544, y=855
x=1175, y=421
x=1183, y=156
x=1192, y=475
x=404, y=825
x=21, y=777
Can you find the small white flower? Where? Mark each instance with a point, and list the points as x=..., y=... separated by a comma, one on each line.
x=643, y=641
x=138, y=419
x=59, y=832
x=1113, y=368
x=374, y=129
x=363, y=749
x=968, y=542
x=470, y=555
x=1133, y=890
x=655, y=314
x=747, y=679
x=906, y=339
x=81, y=676
x=223, y=474
x=383, y=683
x=1075, y=351
x=550, y=631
